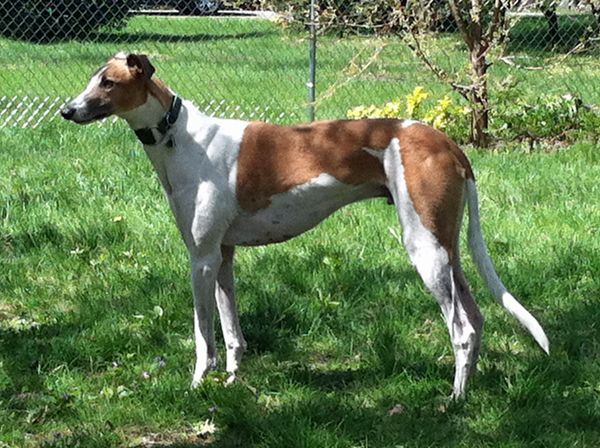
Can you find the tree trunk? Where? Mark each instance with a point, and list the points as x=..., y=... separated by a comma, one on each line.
x=552, y=18
x=596, y=11
x=480, y=114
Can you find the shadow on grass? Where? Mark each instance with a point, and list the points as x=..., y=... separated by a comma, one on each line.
x=291, y=305
x=551, y=401
x=541, y=402
x=101, y=327
x=136, y=38
x=542, y=409
x=520, y=400
x=48, y=235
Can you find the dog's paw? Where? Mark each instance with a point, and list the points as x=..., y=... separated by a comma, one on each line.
x=203, y=367
x=231, y=378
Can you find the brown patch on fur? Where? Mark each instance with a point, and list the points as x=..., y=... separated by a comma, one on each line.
x=128, y=92
x=435, y=170
x=160, y=90
x=273, y=159
x=130, y=87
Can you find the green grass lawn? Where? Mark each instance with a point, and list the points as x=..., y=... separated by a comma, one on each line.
x=96, y=341
x=258, y=69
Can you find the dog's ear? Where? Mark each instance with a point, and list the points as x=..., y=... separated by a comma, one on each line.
x=140, y=64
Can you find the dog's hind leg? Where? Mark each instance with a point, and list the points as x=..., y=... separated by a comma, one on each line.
x=465, y=331
x=433, y=249
x=444, y=278
x=225, y=295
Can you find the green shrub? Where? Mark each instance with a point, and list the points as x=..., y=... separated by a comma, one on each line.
x=372, y=17
x=343, y=16
x=246, y=5
x=48, y=21
x=442, y=113
x=551, y=117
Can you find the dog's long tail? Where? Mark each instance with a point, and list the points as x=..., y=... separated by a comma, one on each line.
x=488, y=273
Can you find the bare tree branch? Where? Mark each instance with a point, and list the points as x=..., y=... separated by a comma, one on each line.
x=440, y=73
x=497, y=19
x=458, y=12
x=483, y=26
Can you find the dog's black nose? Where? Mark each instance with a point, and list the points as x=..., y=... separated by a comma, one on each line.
x=67, y=112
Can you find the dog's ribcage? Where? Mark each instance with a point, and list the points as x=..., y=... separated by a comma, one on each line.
x=296, y=211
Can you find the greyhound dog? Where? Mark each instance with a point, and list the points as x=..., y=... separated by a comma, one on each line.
x=231, y=182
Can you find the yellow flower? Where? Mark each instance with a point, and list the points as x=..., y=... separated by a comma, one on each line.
x=355, y=112
x=414, y=100
x=444, y=103
x=430, y=116
x=391, y=109
x=439, y=121
x=372, y=112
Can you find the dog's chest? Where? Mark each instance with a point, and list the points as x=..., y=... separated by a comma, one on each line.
x=295, y=211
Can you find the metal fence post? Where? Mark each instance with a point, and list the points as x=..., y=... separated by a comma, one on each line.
x=312, y=63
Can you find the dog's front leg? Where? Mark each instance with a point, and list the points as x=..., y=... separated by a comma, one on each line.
x=232, y=333
x=204, y=276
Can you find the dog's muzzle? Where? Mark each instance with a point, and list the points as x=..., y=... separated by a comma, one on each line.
x=68, y=112
x=88, y=112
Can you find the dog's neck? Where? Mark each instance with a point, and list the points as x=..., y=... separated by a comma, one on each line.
x=148, y=115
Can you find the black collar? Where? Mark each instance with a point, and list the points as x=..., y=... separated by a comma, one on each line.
x=146, y=136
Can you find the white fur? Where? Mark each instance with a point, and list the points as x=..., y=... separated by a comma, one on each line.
x=432, y=263
x=80, y=100
x=424, y=250
x=408, y=123
x=377, y=153
x=488, y=273
x=199, y=178
x=295, y=211
x=145, y=115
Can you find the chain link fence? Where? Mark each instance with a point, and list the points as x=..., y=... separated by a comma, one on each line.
x=253, y=63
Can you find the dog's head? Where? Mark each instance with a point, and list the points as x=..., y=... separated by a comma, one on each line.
x=118, y=87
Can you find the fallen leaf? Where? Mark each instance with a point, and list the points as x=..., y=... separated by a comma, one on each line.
x=207, y=428
x=396, y=410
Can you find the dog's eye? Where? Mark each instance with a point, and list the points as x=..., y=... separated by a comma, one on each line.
x=106, y=83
